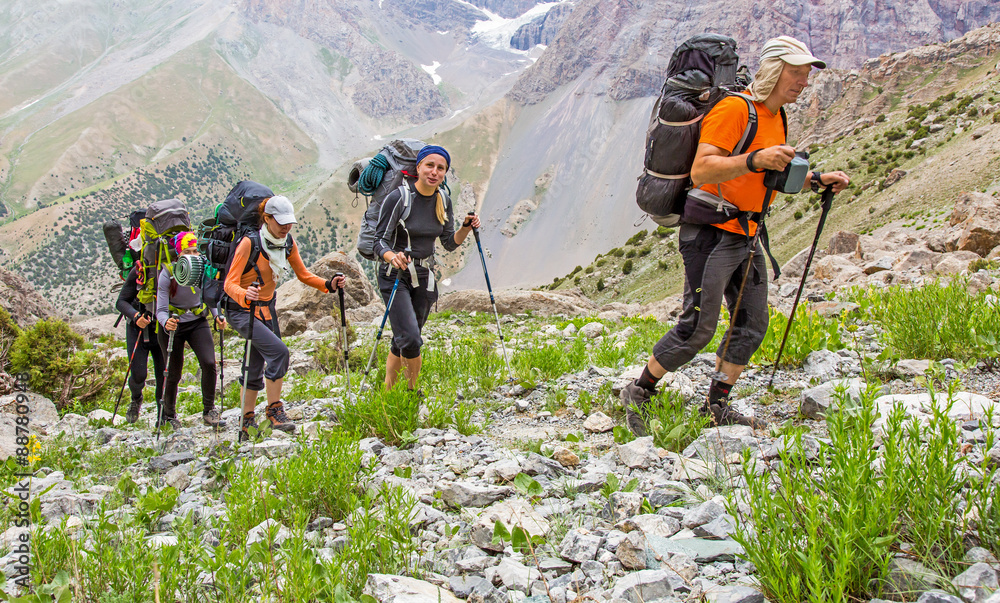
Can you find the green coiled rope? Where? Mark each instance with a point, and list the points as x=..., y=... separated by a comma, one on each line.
x=372, y=175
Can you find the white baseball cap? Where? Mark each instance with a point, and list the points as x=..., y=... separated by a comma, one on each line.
x=791, y=51
x=281, y=210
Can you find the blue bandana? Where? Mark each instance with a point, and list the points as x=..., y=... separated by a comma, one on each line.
x=433, y=150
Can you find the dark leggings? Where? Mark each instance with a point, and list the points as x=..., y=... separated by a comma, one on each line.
x=198, y=335
x=409, y=309
x=140, y=359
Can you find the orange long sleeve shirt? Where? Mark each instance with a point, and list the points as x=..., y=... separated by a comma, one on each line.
x=237, y=281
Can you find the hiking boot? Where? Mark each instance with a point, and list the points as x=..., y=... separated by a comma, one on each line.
x=173, y=422
x=636, y=400
x=722, y=413
x=244, y=425
x=279, y=420
x=212, y=418
x=132, y=414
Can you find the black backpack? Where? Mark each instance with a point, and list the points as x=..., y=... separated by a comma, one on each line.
x=218, y=237
x=702, y=71
x=124, y=252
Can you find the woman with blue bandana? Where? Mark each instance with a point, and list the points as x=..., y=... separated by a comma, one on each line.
x=407, y=248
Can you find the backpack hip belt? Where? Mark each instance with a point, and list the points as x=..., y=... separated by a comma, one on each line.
x=197, y=311
x=428, y=262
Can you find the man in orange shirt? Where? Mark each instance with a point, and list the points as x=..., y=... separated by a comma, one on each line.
x=715, y=255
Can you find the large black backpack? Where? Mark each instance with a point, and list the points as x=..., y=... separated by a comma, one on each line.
x=218, y=237
x=702, y=71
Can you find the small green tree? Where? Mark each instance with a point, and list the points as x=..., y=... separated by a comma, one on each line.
x=627, y=267
x=58, y=367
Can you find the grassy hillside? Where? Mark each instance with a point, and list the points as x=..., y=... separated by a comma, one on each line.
x=188, y=129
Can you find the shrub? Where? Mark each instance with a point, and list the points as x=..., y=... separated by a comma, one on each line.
x=636, y=238
x=589, y=270
x=58, y=366
x=662, y=265
x=664, y=232
x=645, y=250
x=880, y=118
x=798, y=215
x=600, y=284
x=627, y=267
x=8, y=334
x=631, y=253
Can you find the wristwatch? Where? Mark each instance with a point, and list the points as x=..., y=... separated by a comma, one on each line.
x=815, y=181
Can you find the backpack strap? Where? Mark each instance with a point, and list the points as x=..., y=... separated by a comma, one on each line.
x=749, y=132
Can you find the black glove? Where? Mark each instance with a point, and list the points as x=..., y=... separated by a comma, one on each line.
x=329, y=286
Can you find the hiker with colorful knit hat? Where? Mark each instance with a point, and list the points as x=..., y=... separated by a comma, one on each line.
x=182, y=312
x=255, y=284
x=715, y=256
x=407, y=250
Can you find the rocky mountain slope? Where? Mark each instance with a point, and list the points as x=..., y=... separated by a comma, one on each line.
x=547, y=150
x=589, y=97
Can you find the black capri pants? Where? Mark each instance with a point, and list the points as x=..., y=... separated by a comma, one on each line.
x=409, y=309
x=715, y=261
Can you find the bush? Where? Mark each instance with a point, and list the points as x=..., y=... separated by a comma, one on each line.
x=798, y=215
x=600, y=284
x=664, y=232
x=58, y=366
x=589, y=270
x=8, y=334
x=880, y=118
x=627, y=267
x=636, y=238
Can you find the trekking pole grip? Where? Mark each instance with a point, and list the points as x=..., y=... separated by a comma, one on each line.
x=475, y=231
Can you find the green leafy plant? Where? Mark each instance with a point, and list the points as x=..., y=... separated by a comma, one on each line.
x=58, y=365
x=809, y=332
x=520, y=540
x=673, y=422
x=528, y=486
x=935, y=321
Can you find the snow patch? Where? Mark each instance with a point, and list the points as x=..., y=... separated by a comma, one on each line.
x=432, y=70
x=496, y=31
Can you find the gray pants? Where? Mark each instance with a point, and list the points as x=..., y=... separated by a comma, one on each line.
x=266, y=348
x=714, y=265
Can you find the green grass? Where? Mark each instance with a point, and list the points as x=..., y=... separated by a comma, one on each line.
x=825, y=530
x=936, y=321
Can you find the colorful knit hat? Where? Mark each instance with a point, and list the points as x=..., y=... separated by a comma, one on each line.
x=185, y=240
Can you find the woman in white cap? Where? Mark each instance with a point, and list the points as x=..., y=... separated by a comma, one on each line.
x=262, y=257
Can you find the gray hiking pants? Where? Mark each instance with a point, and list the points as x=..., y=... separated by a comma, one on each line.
x=266, y=348
x=714, y=264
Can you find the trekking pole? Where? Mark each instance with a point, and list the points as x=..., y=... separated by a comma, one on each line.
x=496, y=315
x=378, y=336
x=246, y=363
x=719, y=375
x=343, y=334
x=826, y=204
x=166, y=369
x=222, y=368
x=128, y=370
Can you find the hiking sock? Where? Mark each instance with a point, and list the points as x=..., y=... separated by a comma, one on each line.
x=647, y=381
x=718, y=392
